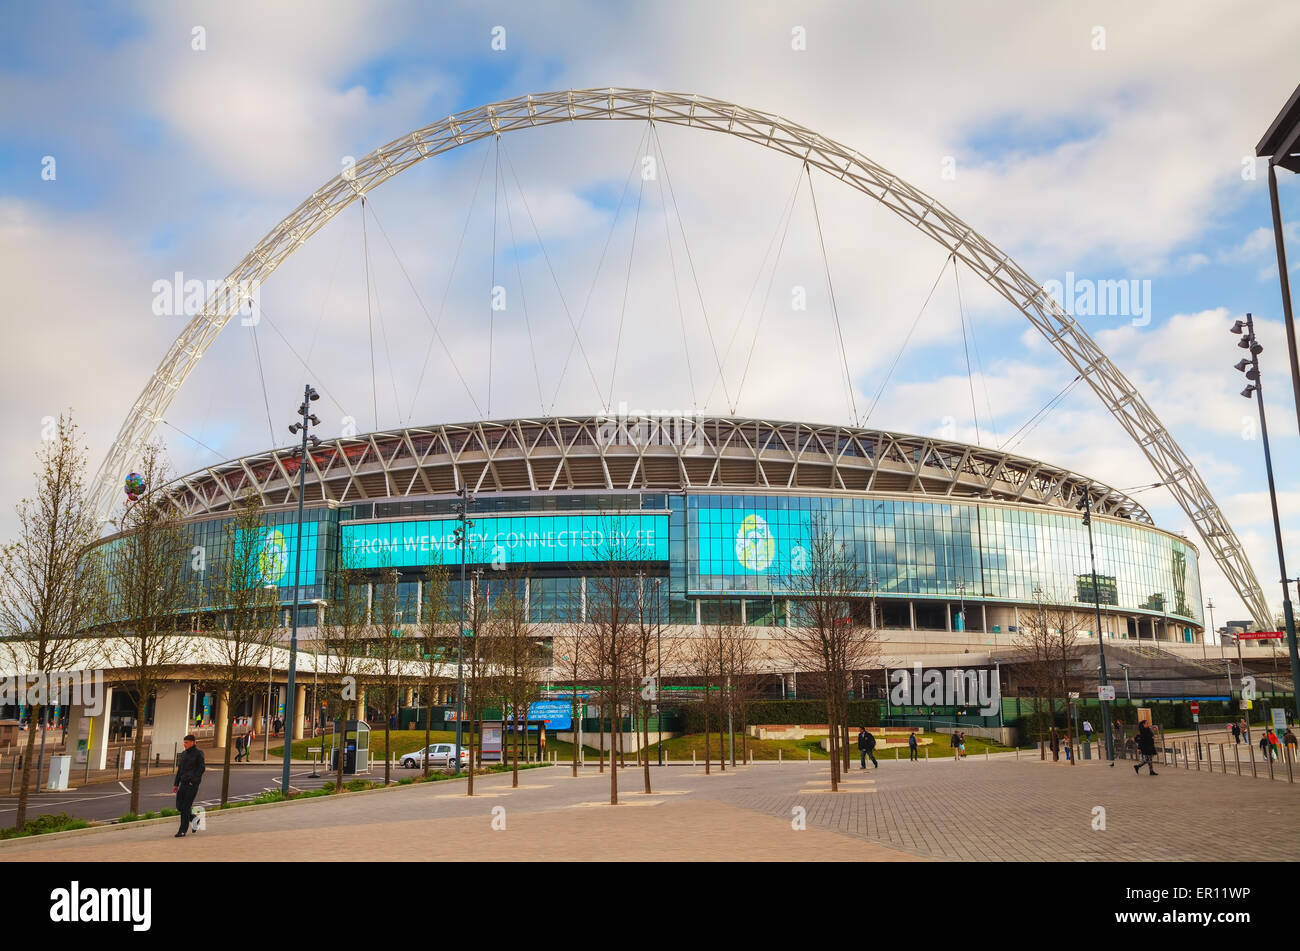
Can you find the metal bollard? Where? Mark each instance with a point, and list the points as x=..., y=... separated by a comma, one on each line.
x=1269, y=756
x=1253, y=773
x=1290, y=774
x=1236, y=756
x=778, y=756
x=13, y=765
x=1198, y=757
x=1223, y=760
x=692, y=757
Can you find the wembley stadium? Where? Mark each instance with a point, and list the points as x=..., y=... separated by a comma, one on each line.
x=952, y=542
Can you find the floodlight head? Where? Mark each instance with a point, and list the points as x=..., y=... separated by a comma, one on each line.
x=1255, y=349
x=314, y=420
x=1252, y=374
x=1244, y=342
x=294, y=427
x=1242, y=364
x=312, y=394
x=315, y=441
x=1248, y=390
x=1237, y=327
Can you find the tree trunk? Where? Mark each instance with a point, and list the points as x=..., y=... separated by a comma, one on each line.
x=135, y=759
x=707, y=736
x=32, y=712
x=230, y=742
x=613, y=766
x=515, y=782
x=428, y=727
x=645, y=740
x=573, y=724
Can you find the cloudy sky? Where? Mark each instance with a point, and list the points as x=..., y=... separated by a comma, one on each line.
x=1092, y=142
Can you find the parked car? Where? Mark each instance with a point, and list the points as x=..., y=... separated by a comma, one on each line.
x=440, y=754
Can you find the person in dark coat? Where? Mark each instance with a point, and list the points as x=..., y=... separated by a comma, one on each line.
x=1236, y=733
x=911, y=747
x=189, y=773
x=1146, y=742
x=867, y=745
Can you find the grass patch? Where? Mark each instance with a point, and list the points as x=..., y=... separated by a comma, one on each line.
x=45, y=824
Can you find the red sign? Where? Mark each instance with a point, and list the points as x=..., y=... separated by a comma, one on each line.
x=1196, y=707
x=1258, y=635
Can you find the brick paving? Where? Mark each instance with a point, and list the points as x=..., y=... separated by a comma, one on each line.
x=995, y=810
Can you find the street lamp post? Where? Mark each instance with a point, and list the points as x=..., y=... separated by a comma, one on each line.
x=309, y=419
x=1250, y=367
x=1085, y=505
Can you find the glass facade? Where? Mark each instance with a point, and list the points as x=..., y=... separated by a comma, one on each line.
x=737, y=544
x=729, y=558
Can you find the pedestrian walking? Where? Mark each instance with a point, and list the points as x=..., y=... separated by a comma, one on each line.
x=249, y=737
x=867, y=746
x=189, y=773
x=961, y=744
x=1289, y=739
x=1069, y=753
x=1274, y=747
x=1146, y=744
x=279, y=725
x=241, y=744
x=1087, y=731
x=1263, y=746
x=1236, y=733
x=1245, y=729
x=911, y=747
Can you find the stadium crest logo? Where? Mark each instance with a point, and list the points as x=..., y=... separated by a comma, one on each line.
x=755, y=545
x=274, y=560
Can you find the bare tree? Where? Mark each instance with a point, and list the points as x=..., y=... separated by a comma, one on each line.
x=343, y=628
x=437, y=625
x=609, y=634
x=1037, y=662
x=827, y=634
x=388, y=650
x=149, y=587
x=517, y=660
x=240, y=652
x=47, y=594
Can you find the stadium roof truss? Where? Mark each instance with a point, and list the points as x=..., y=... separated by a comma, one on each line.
x=770, y=131
x=723, y=454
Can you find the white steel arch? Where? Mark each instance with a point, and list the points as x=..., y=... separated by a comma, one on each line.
x=924, y=213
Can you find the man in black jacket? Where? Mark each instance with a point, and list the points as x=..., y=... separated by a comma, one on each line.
x=1146, y=742
x=189, y=772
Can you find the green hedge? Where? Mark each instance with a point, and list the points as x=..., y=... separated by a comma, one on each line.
x=861, y=713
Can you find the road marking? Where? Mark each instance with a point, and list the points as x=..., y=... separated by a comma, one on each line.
x=123, y=785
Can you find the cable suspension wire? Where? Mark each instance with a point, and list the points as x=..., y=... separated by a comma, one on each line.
x=627, y=286
x=1038, y=417
x=492, y=303
x=970, y=377
x=383, y=334
x=551, y=268
x=266, y=401
x=767, y=296
x=835, y=311
x=640, y=150
x=319, y=384
x=677, y=291
x=788, y=210
x=329, y=289
x=435, y=324
x=699, y=291
x=221, y=456
x=370, y=318
x=979, y=362
x=898, y=356
x=523, y=300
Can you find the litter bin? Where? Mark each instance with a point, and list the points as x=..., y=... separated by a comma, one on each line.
x=60, y=766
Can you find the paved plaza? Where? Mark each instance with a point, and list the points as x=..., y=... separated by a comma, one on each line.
x=1000, y=809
